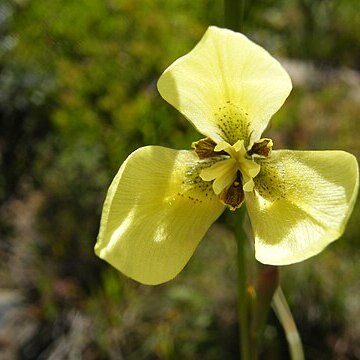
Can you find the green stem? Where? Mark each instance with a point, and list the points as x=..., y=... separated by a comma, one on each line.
x=243, y=305
x=234, y=14
x=284, y=315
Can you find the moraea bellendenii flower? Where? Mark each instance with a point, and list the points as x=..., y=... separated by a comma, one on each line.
x=162, y=201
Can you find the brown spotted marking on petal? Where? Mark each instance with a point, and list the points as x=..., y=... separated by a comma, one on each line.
x=232, y=123
x=204, y=148
x=233, y=196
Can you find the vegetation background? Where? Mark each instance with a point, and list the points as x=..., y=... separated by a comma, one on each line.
x=77, y=95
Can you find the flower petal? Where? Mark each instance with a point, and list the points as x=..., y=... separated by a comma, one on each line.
x=227, y=86
x=156, y=212
x=302, y=202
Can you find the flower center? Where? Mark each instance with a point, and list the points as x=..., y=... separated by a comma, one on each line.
x=226, y=171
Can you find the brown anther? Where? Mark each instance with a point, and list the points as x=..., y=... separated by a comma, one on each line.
x=233, y=196
x=262, y=148
x=204, y=148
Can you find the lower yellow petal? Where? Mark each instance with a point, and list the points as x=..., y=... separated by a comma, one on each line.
x=156, y=212
x=302, y=202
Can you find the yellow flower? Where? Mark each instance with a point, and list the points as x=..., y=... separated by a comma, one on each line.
x=162, y=201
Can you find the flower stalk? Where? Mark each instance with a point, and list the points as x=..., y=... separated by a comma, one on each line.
x=243, y=298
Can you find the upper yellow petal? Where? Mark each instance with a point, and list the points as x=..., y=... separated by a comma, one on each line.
x=227, y=86
x=302, y=202
x=156, y=212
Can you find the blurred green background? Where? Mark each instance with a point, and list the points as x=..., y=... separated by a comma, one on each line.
x=77, y=95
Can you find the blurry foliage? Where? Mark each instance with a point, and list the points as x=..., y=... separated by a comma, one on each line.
x=317, y=30
x=78, y=94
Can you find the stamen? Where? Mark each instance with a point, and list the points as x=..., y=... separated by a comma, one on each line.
x=205, y=148
x=233, y=196
x=262, y=147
